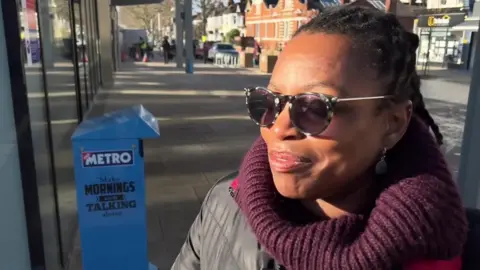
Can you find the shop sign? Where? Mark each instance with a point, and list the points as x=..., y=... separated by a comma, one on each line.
x=443, y=20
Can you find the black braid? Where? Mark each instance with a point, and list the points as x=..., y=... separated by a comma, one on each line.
x=390, y=48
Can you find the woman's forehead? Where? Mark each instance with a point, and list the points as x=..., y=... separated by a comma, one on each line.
x=322, y=61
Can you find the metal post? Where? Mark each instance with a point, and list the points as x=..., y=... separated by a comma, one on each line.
x=188, y=36
x=178, y=34
x=469, y=172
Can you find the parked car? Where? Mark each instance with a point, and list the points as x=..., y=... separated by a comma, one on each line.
x=221, y=48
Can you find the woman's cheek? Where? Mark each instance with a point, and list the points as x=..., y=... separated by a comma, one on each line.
x=333, y=130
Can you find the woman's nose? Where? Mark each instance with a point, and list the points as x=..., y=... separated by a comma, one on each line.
x=283, y=127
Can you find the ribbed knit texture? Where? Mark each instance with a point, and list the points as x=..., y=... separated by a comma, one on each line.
x=419, y=215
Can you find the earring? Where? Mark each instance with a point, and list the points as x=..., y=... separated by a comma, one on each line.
x=381, y=166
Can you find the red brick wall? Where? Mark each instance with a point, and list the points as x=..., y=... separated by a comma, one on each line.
x=271, y=22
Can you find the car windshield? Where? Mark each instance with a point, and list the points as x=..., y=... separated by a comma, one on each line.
x=224, y=47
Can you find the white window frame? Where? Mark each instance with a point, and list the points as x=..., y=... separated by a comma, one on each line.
x=286, y=30
x=288, y=4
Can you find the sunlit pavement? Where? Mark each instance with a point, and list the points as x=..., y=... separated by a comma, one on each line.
x=204, y=133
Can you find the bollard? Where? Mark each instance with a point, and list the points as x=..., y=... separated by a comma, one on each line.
x=110, y=184
x=189, y=67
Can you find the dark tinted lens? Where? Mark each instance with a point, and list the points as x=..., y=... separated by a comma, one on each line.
x=261, y=106
x=310, y=114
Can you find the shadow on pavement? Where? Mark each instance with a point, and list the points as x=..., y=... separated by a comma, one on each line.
x=204, y=135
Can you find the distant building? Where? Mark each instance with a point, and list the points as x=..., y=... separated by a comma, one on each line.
x=272, y=23
x=224, y=20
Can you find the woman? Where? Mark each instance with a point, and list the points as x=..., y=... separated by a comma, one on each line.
x=346, y=174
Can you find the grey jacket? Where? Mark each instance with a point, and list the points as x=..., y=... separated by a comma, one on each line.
x=220, y=237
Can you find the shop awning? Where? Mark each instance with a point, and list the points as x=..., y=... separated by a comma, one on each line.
x=470, y=24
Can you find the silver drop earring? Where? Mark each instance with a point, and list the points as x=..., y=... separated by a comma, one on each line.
x=381, y=167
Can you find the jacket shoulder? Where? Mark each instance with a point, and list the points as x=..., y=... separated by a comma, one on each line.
x=228, y=238
x=221, y=188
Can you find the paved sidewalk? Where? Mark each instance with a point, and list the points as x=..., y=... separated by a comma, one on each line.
x=204, y=133
x=447, y=75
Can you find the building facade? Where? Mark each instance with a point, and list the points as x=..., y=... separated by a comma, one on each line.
x=56, y=57
x=224, y=21
x=440, y=44
x=469, y=29
x=273, y=25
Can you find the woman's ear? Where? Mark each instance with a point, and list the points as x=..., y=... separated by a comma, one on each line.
x=398, y=119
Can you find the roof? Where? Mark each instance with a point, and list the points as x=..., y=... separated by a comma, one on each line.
x=398, y=8
x=378, y=4
x=236, y=7
x=322, y=4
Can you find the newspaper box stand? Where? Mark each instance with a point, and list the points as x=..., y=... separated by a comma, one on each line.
x=110, y=184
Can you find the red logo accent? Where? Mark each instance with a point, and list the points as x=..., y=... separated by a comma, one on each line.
x=234, y=185
x=85, y=156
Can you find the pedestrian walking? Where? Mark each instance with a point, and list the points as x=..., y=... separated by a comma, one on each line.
x=166, y=50
x=205, y=50
x=257, y=51
x=346, y=173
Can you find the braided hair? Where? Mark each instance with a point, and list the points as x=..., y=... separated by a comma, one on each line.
x=390, y=48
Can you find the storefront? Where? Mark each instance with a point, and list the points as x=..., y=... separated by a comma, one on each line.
x=440, y=45
x=470, y=33
x=50, y=71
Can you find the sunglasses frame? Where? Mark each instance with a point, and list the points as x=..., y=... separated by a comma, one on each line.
x=330, y=102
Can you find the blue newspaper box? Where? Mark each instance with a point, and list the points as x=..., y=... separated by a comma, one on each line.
x=110, y=183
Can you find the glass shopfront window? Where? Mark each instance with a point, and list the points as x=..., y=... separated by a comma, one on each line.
x=33, y=14
x=56, y=43
x=13, y=230
x=91, y=39
x=82, y=41
x=439, y=45
x=81, y=53
x=65, y=106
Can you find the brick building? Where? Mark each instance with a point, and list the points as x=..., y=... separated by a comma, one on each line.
x=272, y=24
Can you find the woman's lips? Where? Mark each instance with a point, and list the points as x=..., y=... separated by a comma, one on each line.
x=286, y=162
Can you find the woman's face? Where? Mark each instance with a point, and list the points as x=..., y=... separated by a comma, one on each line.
x=335, y=162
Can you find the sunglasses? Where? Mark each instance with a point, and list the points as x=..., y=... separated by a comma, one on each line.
x=310, y=113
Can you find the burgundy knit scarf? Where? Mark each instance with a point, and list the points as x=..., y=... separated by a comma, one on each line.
x=418, y=216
